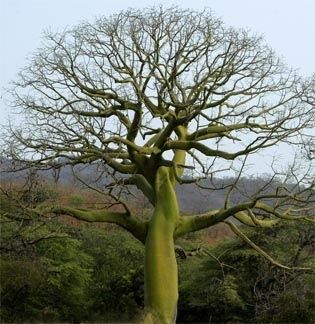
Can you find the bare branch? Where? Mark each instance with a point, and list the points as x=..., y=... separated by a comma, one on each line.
x=262, y=252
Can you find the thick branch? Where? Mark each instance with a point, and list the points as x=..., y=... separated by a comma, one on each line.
x=250, y=219
x=135, y=227
x=198, y=222
x=142, y=184
x=188, y=224
x=217, y=130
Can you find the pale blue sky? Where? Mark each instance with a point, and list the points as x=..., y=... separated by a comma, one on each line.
x=288, y=26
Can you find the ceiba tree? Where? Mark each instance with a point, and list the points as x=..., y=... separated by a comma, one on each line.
x=151, y=93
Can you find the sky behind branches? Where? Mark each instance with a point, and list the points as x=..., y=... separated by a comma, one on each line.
x=287, y=25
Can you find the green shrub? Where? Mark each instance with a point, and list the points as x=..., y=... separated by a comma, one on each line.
x=245, y=287
x=52, y=286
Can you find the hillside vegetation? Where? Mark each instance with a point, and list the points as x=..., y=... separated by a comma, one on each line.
x=60, y=270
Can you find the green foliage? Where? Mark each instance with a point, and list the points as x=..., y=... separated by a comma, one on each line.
x=53, y=285
x=53, y=272
x=96, y=274
x=20, y=279
x=75, y=200
x=20, y=227
x=246, y=288
x=69, y=271
x=117, y=287
x=207, y=293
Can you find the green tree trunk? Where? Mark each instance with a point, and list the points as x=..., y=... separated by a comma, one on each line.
x=161, y=277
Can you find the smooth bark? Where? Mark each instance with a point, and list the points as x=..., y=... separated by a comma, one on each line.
x=161, y=283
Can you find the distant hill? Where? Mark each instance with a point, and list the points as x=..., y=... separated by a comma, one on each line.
x=192, y=199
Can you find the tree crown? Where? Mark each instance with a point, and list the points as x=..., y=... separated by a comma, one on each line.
x=142, y=89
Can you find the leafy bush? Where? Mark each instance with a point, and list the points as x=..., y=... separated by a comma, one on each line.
x=246, y=288
x=117, y=287
x=51, y=286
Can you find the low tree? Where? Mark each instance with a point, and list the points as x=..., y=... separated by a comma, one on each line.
x=149, y=94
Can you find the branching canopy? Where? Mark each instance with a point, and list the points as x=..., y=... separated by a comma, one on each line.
x=163, y=87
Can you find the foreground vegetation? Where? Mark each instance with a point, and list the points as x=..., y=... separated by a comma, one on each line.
x=56, y=271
